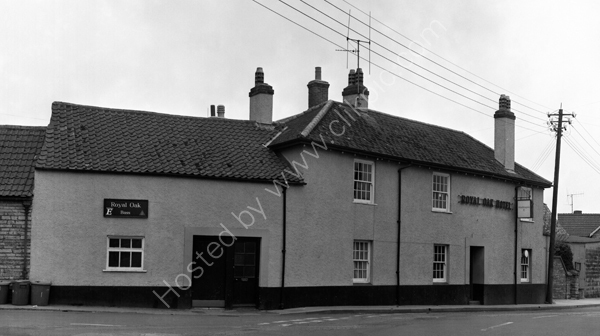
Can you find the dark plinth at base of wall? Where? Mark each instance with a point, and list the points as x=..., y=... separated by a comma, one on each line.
x=121, y=296
x=364, y=296
x=269, y=297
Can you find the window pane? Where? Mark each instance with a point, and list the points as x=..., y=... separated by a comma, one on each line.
x=249, y=271
x=113, y=242
x=238, y=271
x=249, y=259
x=126, y=243
x=136, y=243
x=125, y=260
x=239, y=248
x=113, y=259
x=250, y=247
x=238, y=260
x=136, y=259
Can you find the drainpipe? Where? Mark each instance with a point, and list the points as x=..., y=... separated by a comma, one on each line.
x=516, y=240
x=281, y=305
x=399, y=222
x=26, y=207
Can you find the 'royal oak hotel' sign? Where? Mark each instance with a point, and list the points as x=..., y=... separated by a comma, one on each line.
x=486, y=202
x=122, y=208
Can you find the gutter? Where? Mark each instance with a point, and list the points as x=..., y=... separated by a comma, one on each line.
x=281, y=297
x=26, y=207
x=399, y=222
x=516, y=242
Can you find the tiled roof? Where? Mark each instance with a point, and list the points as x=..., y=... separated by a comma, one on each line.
x=581, y=225
x=581, y=240
x=19, y=146
x=561, y=233
x=88, y=138
x=402, y=139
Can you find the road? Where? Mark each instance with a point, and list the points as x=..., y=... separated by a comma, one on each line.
x=581, y=321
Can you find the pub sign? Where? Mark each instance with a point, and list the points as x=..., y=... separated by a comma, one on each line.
x=124, y=208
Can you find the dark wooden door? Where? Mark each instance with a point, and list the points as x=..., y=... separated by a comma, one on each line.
x=476, y=274
x=246, y=271
x=209, y=289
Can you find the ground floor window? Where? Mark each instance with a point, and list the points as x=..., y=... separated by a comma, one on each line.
x=362, y=261
x=125, y=254
x=525, y=265
x=440, y=257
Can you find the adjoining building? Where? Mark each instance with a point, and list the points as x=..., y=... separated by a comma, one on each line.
x=19, y=146
x=337, y=205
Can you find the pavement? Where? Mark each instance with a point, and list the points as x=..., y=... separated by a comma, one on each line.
x=557, y=305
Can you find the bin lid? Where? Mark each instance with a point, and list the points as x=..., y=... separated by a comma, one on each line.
x=41, y=283
x=5, y=282
x=22, y=282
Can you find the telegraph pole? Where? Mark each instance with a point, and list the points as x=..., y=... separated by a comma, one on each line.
x=556, y=126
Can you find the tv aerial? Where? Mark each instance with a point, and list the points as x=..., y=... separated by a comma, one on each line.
x=358, y=42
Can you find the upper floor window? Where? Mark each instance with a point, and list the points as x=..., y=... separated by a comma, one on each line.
x=441, y=192
x=364, y=172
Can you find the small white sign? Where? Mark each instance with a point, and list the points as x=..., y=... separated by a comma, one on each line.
x=524, y=209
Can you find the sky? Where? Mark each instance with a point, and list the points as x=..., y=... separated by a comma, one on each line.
x=440, y=62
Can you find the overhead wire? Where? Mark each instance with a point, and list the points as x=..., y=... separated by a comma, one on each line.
x=398, y=64
x=544, y=155
x=582, y=156
x=456, y=65
x=377, y=65
x=444, y=78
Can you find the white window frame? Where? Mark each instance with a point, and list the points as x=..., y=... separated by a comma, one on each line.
x=371, y=183
x=434, y=192
x=440, y=250
x=525, y=265
x=125, y=249
x=358, y=256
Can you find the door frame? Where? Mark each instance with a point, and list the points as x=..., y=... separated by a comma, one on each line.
x=188, y=253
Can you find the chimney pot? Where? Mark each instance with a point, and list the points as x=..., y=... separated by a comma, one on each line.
x=221, y=111
x=317, y=73
x=578, y=212
x=259, y=76
x=212, y=110
x=356, y=93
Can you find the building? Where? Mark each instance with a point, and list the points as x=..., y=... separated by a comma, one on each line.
x=337, y=205
x=580, y=224
x=19, y=146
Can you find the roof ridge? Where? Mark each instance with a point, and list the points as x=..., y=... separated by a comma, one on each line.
x=311, y=125
x=161, y=114
x=23, y=127
x=295, y=116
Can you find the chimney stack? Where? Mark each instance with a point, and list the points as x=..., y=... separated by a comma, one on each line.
x=318, y=90
x=261, y=99
x=504, y=134
x=221, y=111
x=356, y=94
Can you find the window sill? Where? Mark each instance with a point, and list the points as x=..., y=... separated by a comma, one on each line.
x=440, y=282
x=362, y=284
x=526, y=220
x=441, y=211
x=363, y=203
x=123, y=271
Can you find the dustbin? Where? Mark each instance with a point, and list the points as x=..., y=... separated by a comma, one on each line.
x=40, y=292
x=4, y=288
x=20, y=292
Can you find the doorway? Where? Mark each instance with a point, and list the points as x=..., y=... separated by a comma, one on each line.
x=229, y=279
x=476, y=274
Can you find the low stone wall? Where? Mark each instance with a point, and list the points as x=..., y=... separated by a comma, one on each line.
x=592, y=272
x=566, y=283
